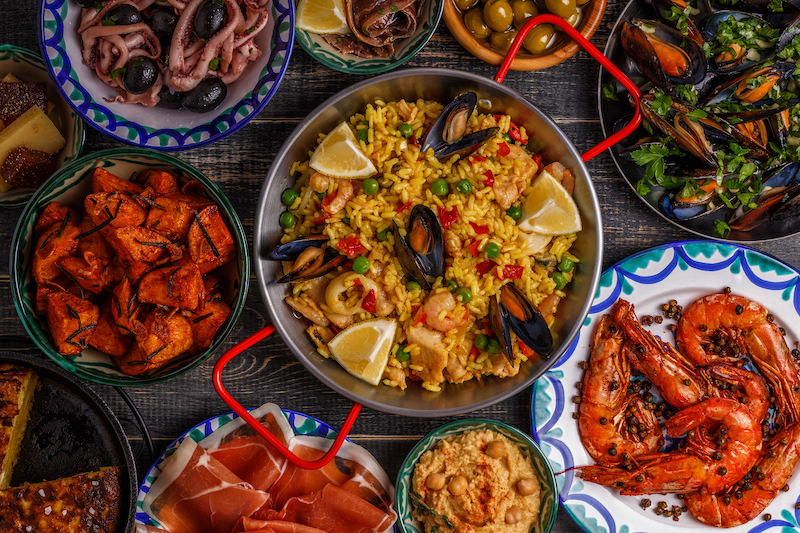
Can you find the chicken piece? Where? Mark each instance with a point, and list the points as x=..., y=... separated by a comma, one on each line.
x=86, y=271
x=170, y=218
x=166, y=335
x=307, y=307
x=55, y=243
x=501, y=366
x=140, y=247
x=210, y=242
x=107, y=337
x=54, y=213
x=113, y=209
x=125, y=307
x=159, y=180
x=94, y=242
x=452, y=243
x=455, y=371
x=71, y=321
x=507, y=187
x=397, y=375
x=339, y=320
x=105, y=181
x=432, y=354
x=172, y=285
x=206, y=324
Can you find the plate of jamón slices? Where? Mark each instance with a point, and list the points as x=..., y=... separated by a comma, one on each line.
x=66, y=462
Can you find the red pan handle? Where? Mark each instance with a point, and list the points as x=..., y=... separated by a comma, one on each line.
x=255, y=424
x=595, y=53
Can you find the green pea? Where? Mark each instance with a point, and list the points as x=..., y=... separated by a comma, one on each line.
x=363, y=135
x=481, y=341
x=566, y=264
x=492, y=250
x=413, y=286
x=493, y=347
x=346, y=220
x=287, y=219
x=514, y=212
x=560, y=279
x=440, y=187
x=464, y=186
x=451, y=285
x=360, y=265
x=507, y=138
x=288, y=196
x=406, y=130
x=402, y=355
x=463, y=295
x=383, y=235
x=370, y=185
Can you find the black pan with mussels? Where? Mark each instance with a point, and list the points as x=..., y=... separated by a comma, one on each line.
x=722, y=113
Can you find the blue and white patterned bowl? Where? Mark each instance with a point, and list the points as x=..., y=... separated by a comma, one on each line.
x=404, y=50
x=402, y=501
x=29, y=66
x=70, y=186
x=159, y=128
x=683, y=271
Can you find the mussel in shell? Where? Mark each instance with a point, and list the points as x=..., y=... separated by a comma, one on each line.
x=686, y=205
x=778, y=199
x=667, y=9
x=421, y=251
x=311, y=255
x=513, y=312
x=662, y=54
x=734, y=57
x=754, y=85
x=447, y=135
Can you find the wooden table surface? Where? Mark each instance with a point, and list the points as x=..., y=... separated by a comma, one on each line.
x=239, y=163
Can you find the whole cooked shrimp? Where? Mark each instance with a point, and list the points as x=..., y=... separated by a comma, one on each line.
x=442, y=312
x=679, y=472
x=745, y=500
x=606, y=407
x=750, y=325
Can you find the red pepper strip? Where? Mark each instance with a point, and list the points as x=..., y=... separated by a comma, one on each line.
x=510, y=272
x=448, y=217
x=526, y=351
x=485, y=266
x=473, y=249
x=368, y=303
x=498, y=117
x=320, y=220
x=351, y=245
x=421, y=318
x=477, y=157
x=503, y=149
x=480, y=230
x=327, y=201
x=473, y=351
x=403, y=207
x=357, y=283
x=537, y=158
x=413, y=377
x=413, y=141
x=489, y=181
x=514, y=133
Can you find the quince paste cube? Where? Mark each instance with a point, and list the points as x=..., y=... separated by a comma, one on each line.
x=33, y=130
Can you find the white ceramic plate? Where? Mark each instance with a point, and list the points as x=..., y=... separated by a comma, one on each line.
x=683, y=271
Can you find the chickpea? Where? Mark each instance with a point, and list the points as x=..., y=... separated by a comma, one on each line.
x=513, y=515
x=457, y=485
x=435, y=481
x=496, y=449
x=527, y=486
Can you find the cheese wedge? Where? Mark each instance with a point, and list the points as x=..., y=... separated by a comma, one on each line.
x=16, y=394
x=34, y=130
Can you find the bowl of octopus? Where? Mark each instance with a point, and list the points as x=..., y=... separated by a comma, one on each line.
x=167, y=77
x=129, y=267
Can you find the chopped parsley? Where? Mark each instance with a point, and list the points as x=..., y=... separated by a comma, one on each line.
x=393, y=7
x=747, y=33
x=214, y=64
x=687, y=93
x=610, y=91
x=117, y=72
x=108, y=22
x=680, y=17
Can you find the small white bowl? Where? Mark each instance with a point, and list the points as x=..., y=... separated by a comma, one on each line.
x=156, y=127
x=29, y=66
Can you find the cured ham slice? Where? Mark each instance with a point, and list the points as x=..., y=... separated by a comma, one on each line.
x=246, y=453
x=250, y=525
x=196, y=493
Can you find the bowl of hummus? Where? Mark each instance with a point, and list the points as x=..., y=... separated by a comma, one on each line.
x=477, y=476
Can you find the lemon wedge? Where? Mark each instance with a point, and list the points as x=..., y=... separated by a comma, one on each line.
x=322, y=16
x=549, y=209
x=363, y=348
x=340, y=156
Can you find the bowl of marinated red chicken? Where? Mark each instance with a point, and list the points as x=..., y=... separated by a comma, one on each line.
x=129, y=267
x=169, y=76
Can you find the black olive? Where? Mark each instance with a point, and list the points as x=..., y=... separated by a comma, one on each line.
x=140, y=74
x=210, y=18
x=163, y=21
x=169, y=99
x=208, y=94
x=122, y=15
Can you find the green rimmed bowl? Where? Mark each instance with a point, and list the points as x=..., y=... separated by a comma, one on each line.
x=70, y=186
x=405, y=49
x=402, y=499
x=29, y=66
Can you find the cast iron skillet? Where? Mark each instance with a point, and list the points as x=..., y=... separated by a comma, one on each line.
x=71, y=430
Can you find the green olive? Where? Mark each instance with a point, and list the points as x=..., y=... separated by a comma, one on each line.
x=523, y=10
x=502, y=41
x=561, y=8
x=581, y=2
x=536, y=41
x=473, y=21
x=574, y=19
x=463, y=5
x=498, y=14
